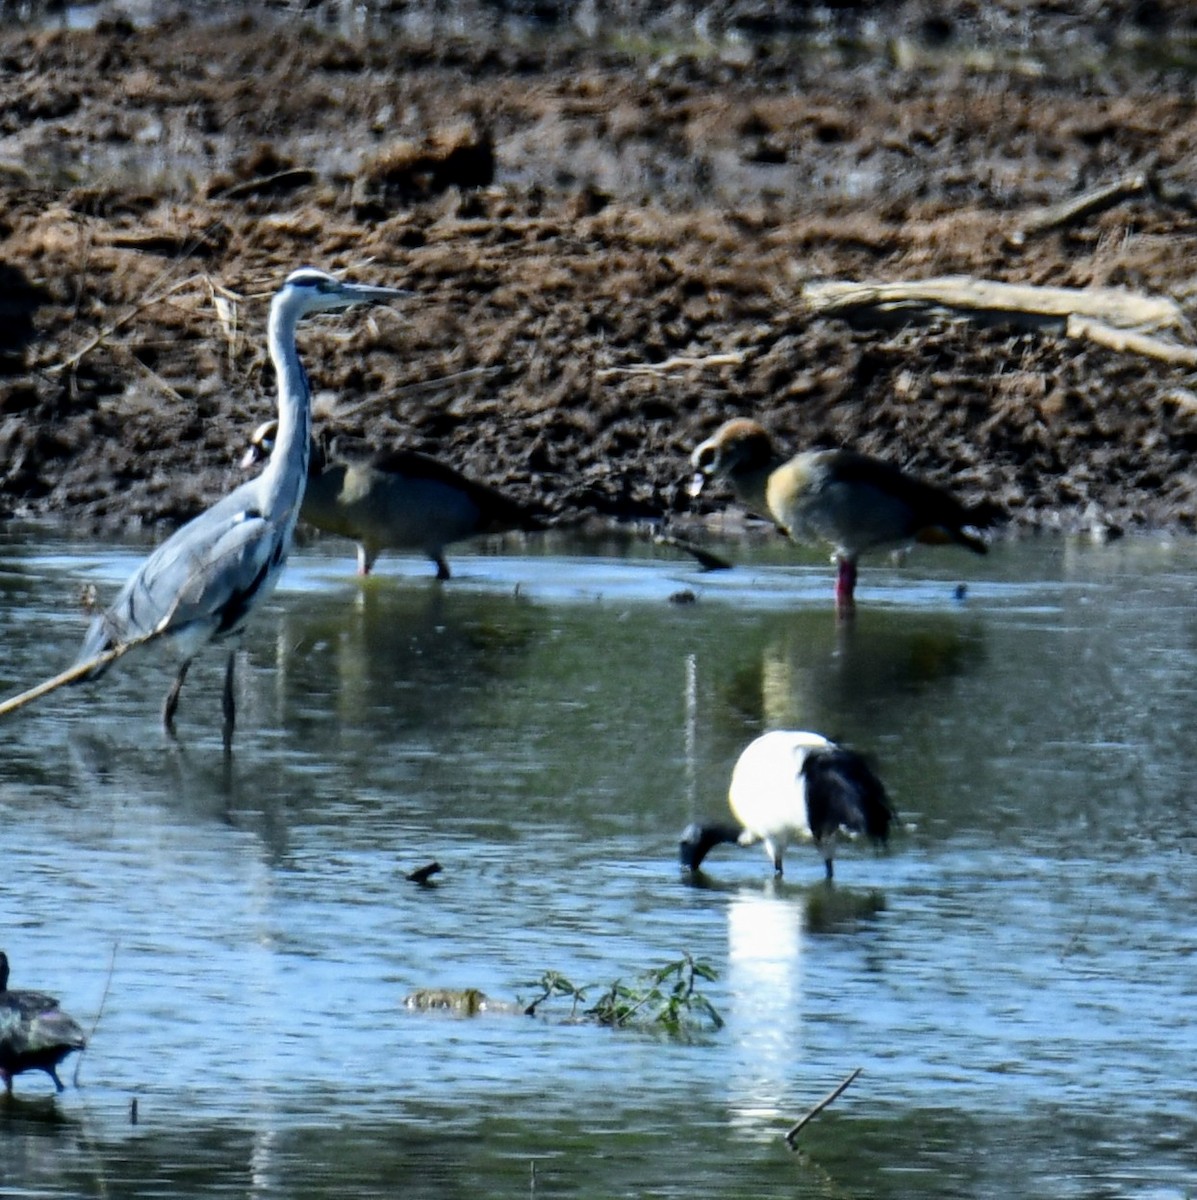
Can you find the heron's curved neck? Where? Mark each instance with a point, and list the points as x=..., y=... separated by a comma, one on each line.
x=286, y=474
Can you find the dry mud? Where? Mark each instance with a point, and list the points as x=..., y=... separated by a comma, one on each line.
x=573, y=195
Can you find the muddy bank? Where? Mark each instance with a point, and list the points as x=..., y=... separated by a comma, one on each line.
x=571, y=205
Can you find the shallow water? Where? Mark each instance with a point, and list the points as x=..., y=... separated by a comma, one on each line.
x=1015, y=975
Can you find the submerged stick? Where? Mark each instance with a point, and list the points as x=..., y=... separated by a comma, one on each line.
x=831, y=1096
x=679, y=362
x=423, y=874
x=706, y=559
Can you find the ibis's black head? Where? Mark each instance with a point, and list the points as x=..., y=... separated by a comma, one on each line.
x=699, y=840
x=3, y=971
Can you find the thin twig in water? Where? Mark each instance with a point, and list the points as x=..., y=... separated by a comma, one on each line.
x=99, y=1013
x=831, y=1096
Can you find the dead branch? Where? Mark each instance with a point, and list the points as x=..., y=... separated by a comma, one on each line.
x=1127, y=341
x=77, y=672
x=265, y=185
x=808, y=1117
x=961, y=297
x=122, y=320
x=733, y=358
x=1076, y=208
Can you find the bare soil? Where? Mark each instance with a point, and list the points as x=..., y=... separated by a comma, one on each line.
x=573, y=193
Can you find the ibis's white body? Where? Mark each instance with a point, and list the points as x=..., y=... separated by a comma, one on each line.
x=767, y=794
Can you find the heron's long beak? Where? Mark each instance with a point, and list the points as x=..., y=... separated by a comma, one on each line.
x=366, y=293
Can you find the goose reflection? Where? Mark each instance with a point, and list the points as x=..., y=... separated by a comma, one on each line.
x=397, y=654
x=810, y=671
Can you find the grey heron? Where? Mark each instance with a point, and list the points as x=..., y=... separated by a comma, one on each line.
x=203, y=582
x=851, y=501
x=35, y=1034
x=790, y=785
x=397, y=500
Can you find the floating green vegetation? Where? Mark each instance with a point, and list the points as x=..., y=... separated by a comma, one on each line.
x=664, y=998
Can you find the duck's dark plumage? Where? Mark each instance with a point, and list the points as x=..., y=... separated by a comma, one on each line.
x=35, y=1034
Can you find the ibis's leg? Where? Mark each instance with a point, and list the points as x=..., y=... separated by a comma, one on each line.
x=775, y=854
x=228, y=701
x=829, y=867
x=442, y=568
x=172, y=699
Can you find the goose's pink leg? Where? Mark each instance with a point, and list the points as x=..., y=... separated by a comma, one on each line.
x=845, y=585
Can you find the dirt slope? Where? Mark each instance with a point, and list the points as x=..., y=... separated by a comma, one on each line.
x=567, y=207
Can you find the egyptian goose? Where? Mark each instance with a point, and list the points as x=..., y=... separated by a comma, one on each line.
x=398, y=500
x=795, y=786
x=850, y=501
x=35, y=1034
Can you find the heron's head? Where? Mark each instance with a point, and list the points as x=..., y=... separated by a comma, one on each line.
x=310, y=290
x=739, y=445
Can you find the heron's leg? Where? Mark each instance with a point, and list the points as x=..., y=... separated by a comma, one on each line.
x=442, y=568
x=172, y=699
x=229, y=702
x=57, y=1082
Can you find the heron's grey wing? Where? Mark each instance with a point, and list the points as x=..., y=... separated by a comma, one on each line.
x=204, y=575
x=225, y=574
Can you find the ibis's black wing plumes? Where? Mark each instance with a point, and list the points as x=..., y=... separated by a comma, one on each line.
x=842, y=792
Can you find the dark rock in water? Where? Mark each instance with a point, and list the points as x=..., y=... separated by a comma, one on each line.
x=35, y=1034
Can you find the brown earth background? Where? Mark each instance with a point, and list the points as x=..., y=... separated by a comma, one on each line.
x=573, y=193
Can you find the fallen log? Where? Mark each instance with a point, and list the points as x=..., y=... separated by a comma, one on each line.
x=961, y=297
